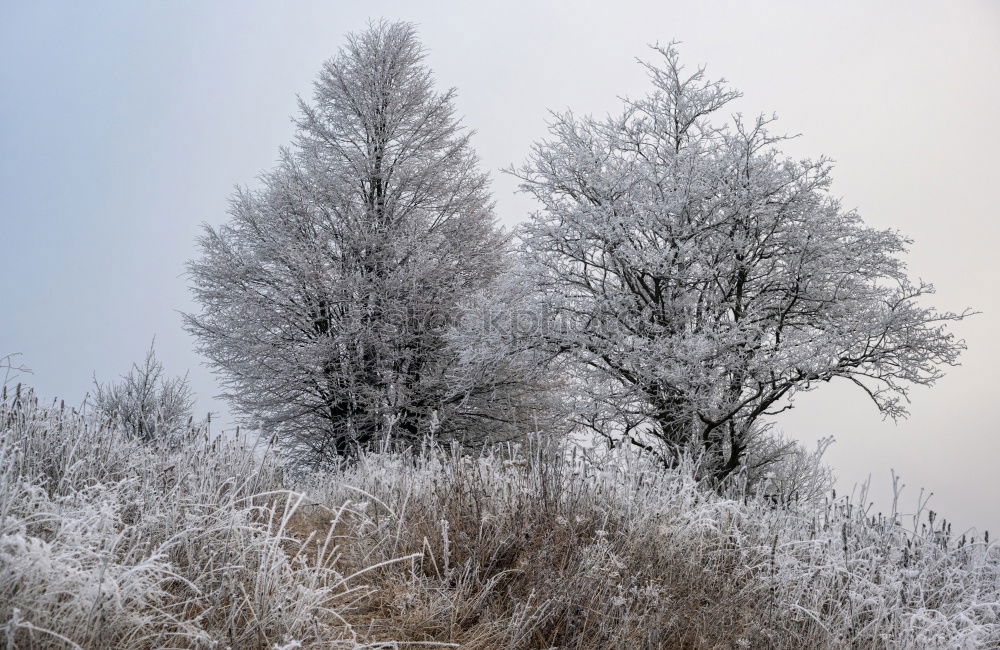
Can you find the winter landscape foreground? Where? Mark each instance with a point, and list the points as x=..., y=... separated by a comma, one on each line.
x=459, y=436
x=107, y=541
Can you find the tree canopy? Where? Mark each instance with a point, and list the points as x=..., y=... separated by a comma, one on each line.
x=328, y=297
x=700, y=278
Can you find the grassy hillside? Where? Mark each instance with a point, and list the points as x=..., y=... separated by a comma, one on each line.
x=192, y=542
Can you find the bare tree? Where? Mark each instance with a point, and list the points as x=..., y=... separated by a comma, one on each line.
x=145, y=404
x=328, y=296
x=701, y=279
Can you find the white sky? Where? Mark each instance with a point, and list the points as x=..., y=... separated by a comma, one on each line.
x=123, y=126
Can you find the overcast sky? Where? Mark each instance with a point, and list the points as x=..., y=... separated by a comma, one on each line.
x=123, y=126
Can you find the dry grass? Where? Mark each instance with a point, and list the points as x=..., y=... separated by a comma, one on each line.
x=539, y=549
x=109, y=542
x=189, y=542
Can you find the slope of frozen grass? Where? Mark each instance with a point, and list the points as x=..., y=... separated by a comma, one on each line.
x=109, y=542
x=189, y=542
x=537, y=549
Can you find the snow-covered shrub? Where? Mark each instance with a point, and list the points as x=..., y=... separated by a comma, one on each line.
x=784, y=470
x=145, y=403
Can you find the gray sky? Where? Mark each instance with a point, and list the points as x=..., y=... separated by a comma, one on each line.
x=123, y=126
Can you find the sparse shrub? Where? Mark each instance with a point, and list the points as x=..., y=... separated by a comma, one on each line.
x=145, y=403
x=783, y=470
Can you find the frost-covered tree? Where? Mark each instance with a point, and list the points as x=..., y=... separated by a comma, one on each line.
x=328, y=298
x=700, y=278
x=145, y=403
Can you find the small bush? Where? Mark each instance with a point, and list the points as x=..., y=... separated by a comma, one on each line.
x=145, y=404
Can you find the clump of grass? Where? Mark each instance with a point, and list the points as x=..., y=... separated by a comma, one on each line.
x=539, y=548
x=106, y=541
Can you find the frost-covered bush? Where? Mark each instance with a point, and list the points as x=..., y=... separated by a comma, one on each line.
x=784, y=471
x=145, y=403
